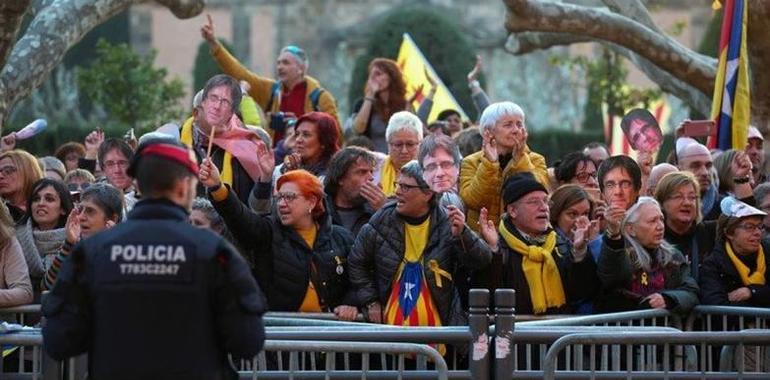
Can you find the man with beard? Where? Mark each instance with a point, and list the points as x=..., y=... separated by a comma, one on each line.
x=353, y=197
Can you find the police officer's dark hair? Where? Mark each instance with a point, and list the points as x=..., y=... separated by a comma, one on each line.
x=114, y=143
x=155, y=176
x=64, y=198
x=624, y=162
x=339, y=165
x=227, y=81
x=430, y=144
x=568, y=166
x=107, y=198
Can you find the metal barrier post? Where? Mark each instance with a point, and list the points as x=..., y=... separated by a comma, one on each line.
x=505, y=302
x=478, y=322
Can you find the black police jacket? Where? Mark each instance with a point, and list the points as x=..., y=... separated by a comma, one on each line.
x=155, y=297
x=283, y=262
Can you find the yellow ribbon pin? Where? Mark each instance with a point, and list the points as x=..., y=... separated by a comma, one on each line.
x=644, y=278
x=438, y=272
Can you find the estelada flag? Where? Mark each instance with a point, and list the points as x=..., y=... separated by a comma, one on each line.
x=731, y=107
x=413, y=65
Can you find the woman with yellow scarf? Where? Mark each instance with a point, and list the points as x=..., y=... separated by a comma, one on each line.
x=735, y=272
x=549, y=276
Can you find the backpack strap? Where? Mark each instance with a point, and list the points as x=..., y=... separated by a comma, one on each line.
x=274, y=89
x=315, y=96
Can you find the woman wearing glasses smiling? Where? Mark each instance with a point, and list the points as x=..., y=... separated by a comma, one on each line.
x=735, y=272
x=300, y=257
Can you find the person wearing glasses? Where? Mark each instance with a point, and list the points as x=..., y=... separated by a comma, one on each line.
x=19, y=171
x=638, y=269
x=100, y=208
x=300, y=257
x=294, y=93
x=762, y=197
x=504, y=153
x=549, y=276
x=403, y=260
x=577, y=168
x=234, y=144
x=114, y=155
x=735, y=273
x=404, y=135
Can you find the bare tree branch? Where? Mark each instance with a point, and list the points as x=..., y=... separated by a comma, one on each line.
x=58, y=26
x=522, y=43
x=633, y=9
x=11, y=14
x=184, y=8
x=680, y=62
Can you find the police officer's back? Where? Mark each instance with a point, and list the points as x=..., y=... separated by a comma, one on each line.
x=155, y=297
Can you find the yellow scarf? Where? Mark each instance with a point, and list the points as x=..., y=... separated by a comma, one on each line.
x=545, y=287
x=756, y=278
x=388, y=175
x=227, y=166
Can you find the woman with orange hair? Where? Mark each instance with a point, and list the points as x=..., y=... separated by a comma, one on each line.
x=300, y=258
x=384, y=95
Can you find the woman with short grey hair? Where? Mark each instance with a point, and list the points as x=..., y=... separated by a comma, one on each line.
x=403, y=134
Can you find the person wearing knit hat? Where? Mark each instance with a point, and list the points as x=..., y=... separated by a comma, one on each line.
x=156, y=258
x=549, y=276
x=735, y=273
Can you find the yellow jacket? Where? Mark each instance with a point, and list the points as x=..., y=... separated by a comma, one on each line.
x=261, y=87
x=481, y=183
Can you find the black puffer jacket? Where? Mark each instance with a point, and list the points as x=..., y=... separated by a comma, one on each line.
x=719, y=277
x=379, y=250
x=282, y=259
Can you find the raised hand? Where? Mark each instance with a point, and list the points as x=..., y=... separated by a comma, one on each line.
x=8, y=142
x=488, y=229
x=92, y=143
x=373, y=195
x=741, y=165
x=614, y=217
x=207, y=30
x=581, y=233
x=372, y=87
x=644, y=159
x=474, y=74
x=489, y=146
x=292, y=162
x=266, y=161
x=209, y=174
x=456, y=219
x=72, y=226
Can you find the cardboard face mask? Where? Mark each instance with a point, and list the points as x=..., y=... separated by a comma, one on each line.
x=642, y=130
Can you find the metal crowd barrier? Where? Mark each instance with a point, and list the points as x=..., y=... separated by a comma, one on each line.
x=495, y=344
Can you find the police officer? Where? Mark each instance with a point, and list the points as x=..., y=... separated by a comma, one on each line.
x=155, y=297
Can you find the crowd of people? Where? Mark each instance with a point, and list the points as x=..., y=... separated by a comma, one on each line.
x=380, y=213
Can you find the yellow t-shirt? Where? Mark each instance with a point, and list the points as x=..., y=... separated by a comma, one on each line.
x=388, y=175
x=416, y=237
x=310, y=304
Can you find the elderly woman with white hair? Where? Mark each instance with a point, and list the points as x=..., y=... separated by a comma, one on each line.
x=638, y=269
x=504, y=152
x=404, y=135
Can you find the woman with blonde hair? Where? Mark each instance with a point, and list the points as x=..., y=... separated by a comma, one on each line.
x=19, y=170
x=679, y=196
x=15, y=286
x=638, y=268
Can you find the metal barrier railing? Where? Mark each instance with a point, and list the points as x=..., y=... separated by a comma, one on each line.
x=663, y=342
